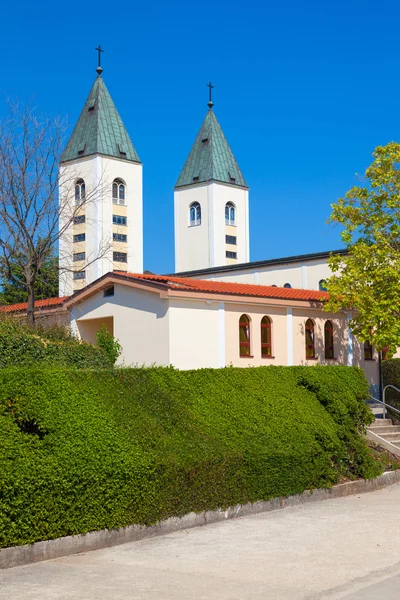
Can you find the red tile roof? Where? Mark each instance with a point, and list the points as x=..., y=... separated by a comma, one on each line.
x=23, y=306
x=237, y=289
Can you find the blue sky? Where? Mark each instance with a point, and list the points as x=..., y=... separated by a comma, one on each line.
x=304, y=92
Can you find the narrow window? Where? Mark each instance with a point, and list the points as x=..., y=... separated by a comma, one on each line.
x=79, y=219
x=244, y=336
x=310, y=339
x=287, y=285
x=118, y=192
x=79, y=256
x=368, y=351
x=195, y=214
x=328, y=331
x=79, y=191
x=79, y=275
x=230, y=254
x=322, y=285
x=120, y=257
x=230, y=239
x=266, y=344
x=120, y=237
x=230, y=213
x=118, y=220
x=79, y=237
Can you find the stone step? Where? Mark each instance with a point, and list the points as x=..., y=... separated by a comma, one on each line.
x=381, y=423
x=383, y=430
x=390, y=436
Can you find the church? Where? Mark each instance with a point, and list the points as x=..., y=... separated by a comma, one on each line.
x=218, y=308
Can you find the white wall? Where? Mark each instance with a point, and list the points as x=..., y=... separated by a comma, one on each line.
x=196, y=339
x=202, y=246
x=141, y=323
x=98, y=173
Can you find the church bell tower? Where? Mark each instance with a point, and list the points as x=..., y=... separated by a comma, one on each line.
x=100, y=190
x=211, y=203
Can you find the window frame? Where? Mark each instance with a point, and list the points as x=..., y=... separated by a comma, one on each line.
x=80, y=191
x=76, y=254
x=125, y=260
x=79, y=219
x=245, y=324
x=231, y=237
x=123, y=223
x=230, y=254
x=115, y=238
x=195, y=207
x=266, y=326
x=329, y=349
x=79, y=275
x=368, y=350
x=310, y=327
x=322, y=285
x=79, y=237
x=230, y=209
x=118, y=191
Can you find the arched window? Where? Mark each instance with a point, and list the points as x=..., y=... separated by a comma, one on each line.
x=322, y=285
x=230, y=213
x=244, y=336
x=118, y=191
x=310, y=339
x=266, y=338
x=368, y=351
x=79, y=191
x=287, y=285
x=328, y=339
x=195, y=214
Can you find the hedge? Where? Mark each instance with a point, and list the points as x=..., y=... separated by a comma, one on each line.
x=87, y=450
x=22, y=346
x=391, y=375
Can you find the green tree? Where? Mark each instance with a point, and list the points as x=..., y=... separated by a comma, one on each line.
x=367, y=279
x=46, y=284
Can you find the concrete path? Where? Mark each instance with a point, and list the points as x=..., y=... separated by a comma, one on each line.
x=344, y=548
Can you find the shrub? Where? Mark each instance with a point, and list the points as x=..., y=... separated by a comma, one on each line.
x=391, y=376
x=93, y=449
x=107, y=342
x=22, y=346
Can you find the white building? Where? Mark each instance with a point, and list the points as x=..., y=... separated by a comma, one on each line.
x=100, y=196
x=211, y=204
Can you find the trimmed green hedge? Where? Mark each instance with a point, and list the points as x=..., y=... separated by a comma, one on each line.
x=86, y=450
x=22, y=346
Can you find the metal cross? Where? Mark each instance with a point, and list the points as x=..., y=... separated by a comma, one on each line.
x=99, y=50
x=210, y=86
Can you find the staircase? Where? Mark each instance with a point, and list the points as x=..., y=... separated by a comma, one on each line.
x=383, y=432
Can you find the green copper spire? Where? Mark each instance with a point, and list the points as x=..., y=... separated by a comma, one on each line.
x=99, y=129
x=211, y=158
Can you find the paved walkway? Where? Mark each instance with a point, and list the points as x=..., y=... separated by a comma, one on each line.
x=344, y=548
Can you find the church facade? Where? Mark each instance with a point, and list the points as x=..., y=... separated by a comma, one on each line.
x=218, y=308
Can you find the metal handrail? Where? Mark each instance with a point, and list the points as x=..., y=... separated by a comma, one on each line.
x=384, y=392
x=386, y=405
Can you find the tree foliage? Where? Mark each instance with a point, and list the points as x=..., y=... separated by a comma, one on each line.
x=367, y=279
x=33, y=215
x=46, y=286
